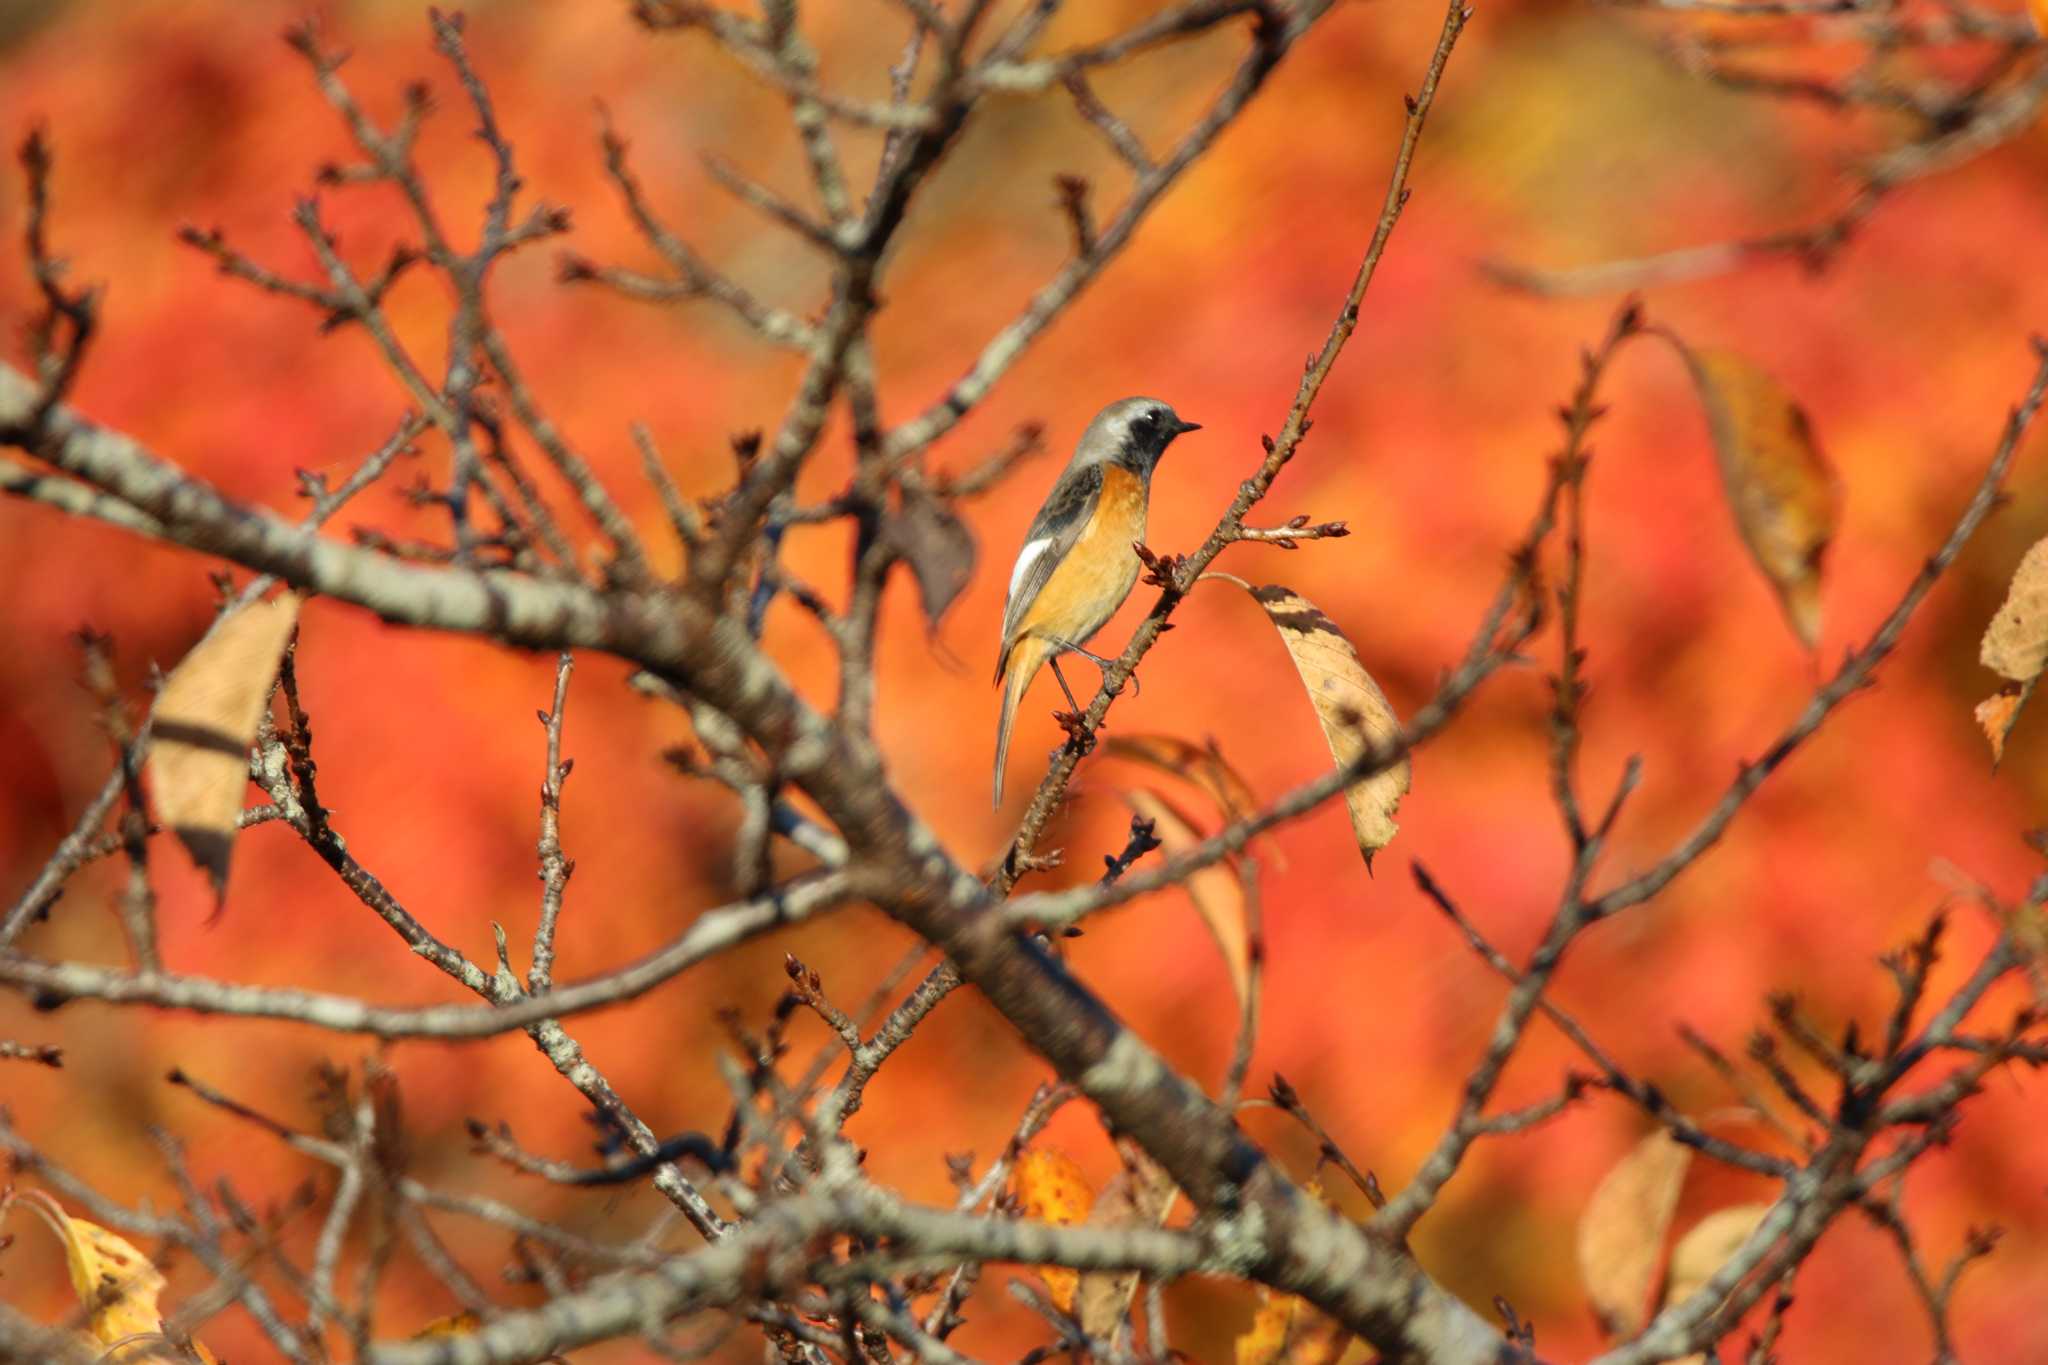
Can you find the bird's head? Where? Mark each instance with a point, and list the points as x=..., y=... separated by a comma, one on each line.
x=1134, y=432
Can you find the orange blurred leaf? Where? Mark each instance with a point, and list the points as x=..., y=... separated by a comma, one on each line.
x=1288, y=1330
x=1218, y=890
x=1785, y=498
x=1353, y=711
x=1050, y=1188
x=1141, y=1195
x=2016, y=642
x=1999, y=712
x=205, y=719
x=1621, y=1231
x=1707, y=1246
x=454, y=1325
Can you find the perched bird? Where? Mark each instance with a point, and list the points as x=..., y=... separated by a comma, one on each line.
x=1077, y=565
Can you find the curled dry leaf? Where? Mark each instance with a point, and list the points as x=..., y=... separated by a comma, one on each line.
x=1785, y=497
x=1621, y=1232
x=2015, y=646
x=1050, y=1188
x=938, y=547
x=1288, y=1330
x=116, y=1284
x=1202, y=766
x=1141, y=1195
x=1707, y=1246
x=1354, y=713
x=204, y=721
x=1218, y=890
x=2016, y=642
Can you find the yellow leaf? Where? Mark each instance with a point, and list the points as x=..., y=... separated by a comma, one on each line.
x=1050, y=1188
x=204, y=721
x=1288, y=1330
x=1706, y=1247
x=1141, y=1195
x=115, y=1283
x=1354, y=712
x=1218, y=890
x=1291, y=1331
x=2038, y=11
x=1621, y=1232
x=1785, y=498
x=2016, y=642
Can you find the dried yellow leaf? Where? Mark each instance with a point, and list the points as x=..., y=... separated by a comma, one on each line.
x=2016, y=642
x=115, y=1283
x=1621, y=1232
x=1786, y=499
x=1141, y=1195
x=204, y=721
x=1050, y=1188
x=1353, y=711
x=1219, y=891
x=1706, y=1247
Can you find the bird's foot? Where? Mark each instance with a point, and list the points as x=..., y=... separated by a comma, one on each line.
x=1105, y=665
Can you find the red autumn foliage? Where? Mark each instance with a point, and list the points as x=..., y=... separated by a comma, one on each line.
x=1560, y=136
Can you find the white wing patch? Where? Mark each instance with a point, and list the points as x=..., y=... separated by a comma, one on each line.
x=1025, y=557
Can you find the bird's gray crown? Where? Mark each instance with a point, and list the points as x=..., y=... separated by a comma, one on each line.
x=1133, y=432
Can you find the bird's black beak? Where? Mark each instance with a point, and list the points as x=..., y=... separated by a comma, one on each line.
x=1182, y=428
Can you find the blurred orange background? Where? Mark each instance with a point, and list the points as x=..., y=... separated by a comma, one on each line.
x=1562, y=137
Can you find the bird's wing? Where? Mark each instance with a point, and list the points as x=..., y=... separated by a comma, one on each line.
x=1053, y=532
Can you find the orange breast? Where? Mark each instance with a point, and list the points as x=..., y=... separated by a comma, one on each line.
x=1099, y=572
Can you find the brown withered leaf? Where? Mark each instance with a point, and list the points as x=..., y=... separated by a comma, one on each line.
x=1706, y=1247
x=2016, y=642
x=1621, y=1231
x=1289, y=1330
x=1354, y=713
x=1140, y=1195
x=1218, y=890
x=1202, y=766
x=1786, y=499
x=1999, y=712
x=938, y=548
x=1050, y=1188
x=204, y=721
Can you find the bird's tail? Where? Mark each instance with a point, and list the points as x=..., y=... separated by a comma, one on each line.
x=1026, y=657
